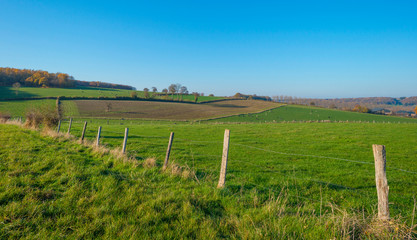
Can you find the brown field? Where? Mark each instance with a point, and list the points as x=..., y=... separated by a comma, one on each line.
x=170, y=110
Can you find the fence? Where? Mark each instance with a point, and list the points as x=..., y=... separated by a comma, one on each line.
x=263, y=174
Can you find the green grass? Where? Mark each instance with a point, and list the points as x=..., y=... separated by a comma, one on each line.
x=27, y=92
x=59, y=189
x=70, y=108
x=18, y=108
x=303, y=113
x=266, y=156
x=30, y=92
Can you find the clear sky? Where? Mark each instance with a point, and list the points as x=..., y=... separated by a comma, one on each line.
x=321, y=49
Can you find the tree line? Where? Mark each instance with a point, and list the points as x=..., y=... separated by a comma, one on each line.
x=39, y=78
x=175, y=90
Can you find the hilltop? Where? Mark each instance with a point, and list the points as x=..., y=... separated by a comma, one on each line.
x=39, y=78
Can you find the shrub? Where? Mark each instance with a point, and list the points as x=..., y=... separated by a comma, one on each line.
x=4, y=117
x=46, y=115
x=134, y=95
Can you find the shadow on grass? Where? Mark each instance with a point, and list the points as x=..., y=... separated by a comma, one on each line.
x=10, y=93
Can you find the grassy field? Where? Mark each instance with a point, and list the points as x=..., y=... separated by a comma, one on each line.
x=59, y=189
x=29, y=92
x=303, y=113
x=329, y=162
x=163, y=110
x=18, y=108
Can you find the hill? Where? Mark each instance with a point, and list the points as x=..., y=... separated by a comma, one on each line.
x=39, y=78
x=395, y=105
x=304, y=113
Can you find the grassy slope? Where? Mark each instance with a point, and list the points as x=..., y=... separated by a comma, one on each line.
x=303, y=113
x=58, y=189
x=346, y=178
x=27, y=92
x=24, y=92
x=18, y=108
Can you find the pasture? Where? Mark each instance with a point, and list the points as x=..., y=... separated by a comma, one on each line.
x=18, y=108
x=31, y=92
x=284, y=180
x=299, y=180
x=316, y=162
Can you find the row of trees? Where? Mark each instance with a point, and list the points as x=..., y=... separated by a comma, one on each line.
x=35, y=78
x=39, y=78
x=173, y=89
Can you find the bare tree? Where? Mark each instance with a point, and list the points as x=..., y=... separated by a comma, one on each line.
x=173, y=89
x=195, y=96
x=183, y=90
x=16, y=87
x=154, y=89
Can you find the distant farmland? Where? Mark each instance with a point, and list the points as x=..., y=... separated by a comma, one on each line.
x=304, y=113
x=165, y=110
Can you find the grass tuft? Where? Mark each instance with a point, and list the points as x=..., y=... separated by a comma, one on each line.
x=149, y=162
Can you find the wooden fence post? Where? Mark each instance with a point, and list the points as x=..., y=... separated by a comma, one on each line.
x=59, y=126
x=69, y=126
x=83, y=134
x=222, y=178
x=125, y=140
x=98, y=136
x=382, y=187
x=171, y=138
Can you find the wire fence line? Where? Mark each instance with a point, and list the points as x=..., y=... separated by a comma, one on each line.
x=283, y=174
x=257, y=148
x=191, y=144
x=316, y=156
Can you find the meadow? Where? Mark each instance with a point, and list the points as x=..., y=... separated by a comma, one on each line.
x=18, y=108
x=275, y=187
x=317, y=162
x=310, y=180
x=31, y=92
x=305, y=113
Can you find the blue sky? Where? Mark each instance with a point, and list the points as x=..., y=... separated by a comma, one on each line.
x=322, y=49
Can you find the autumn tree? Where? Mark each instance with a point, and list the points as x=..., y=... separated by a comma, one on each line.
x=361, y=109
x=165, y=91
x=146, y=92
x=134, y=94
x=415, y=109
